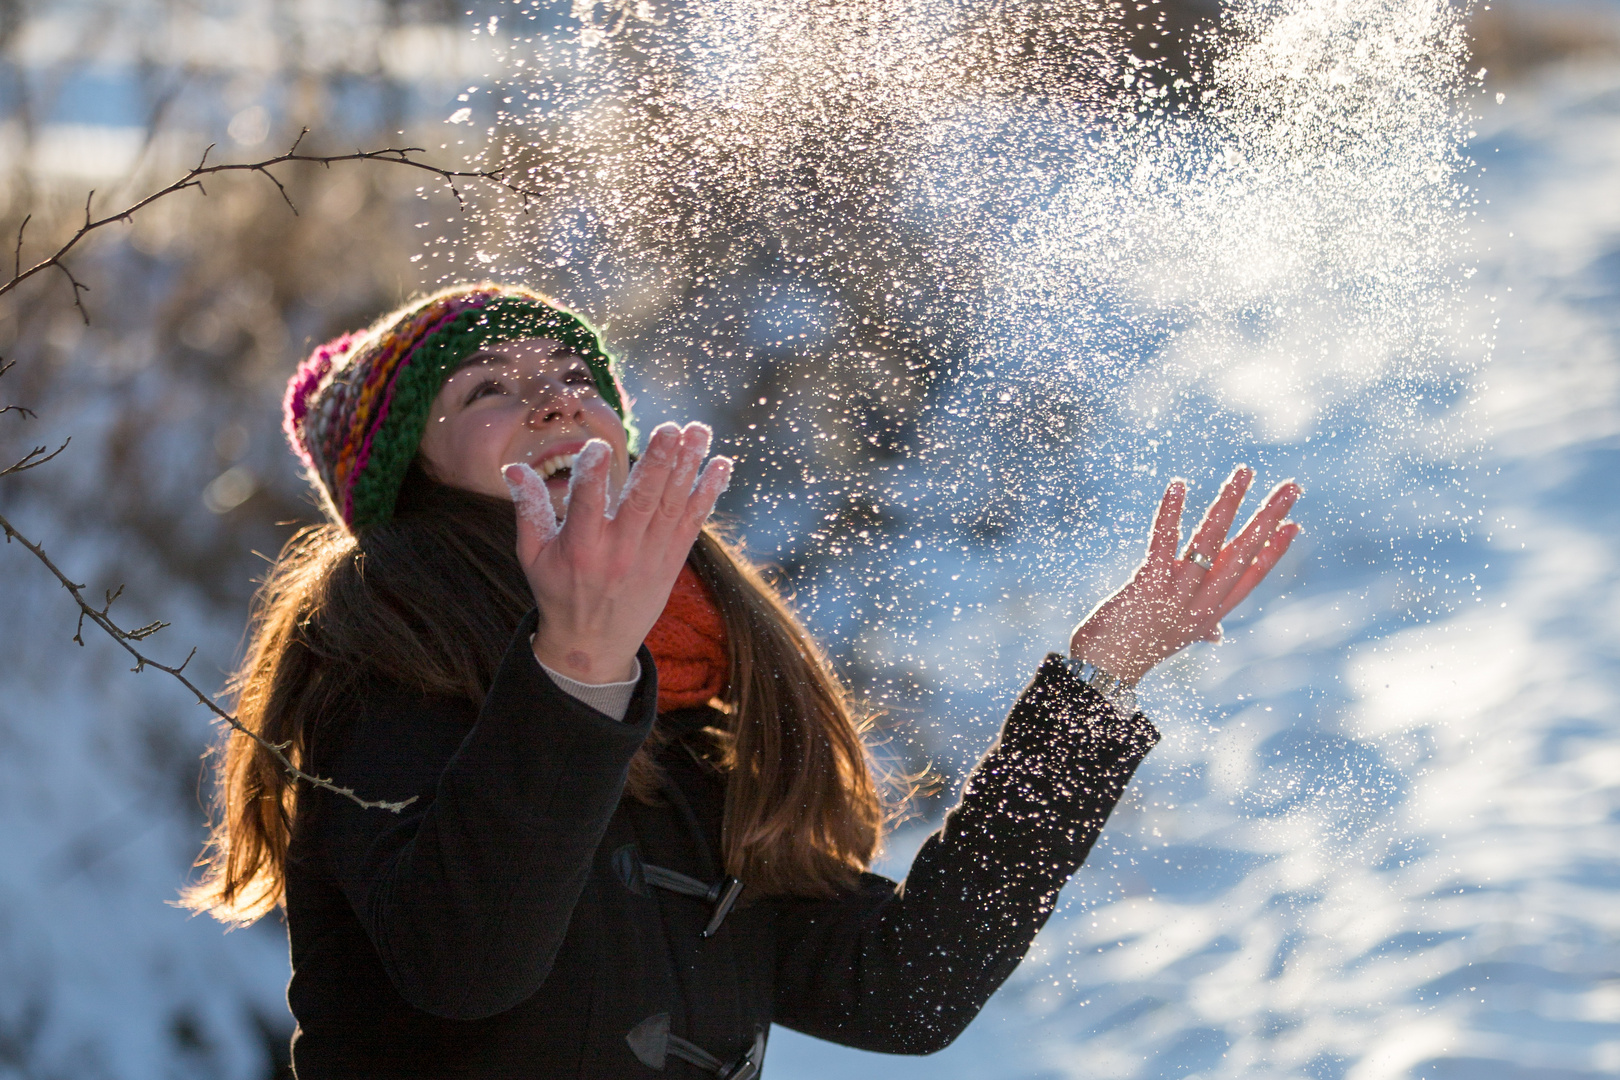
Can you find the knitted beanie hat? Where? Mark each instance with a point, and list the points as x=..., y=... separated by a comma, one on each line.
x=355, y=411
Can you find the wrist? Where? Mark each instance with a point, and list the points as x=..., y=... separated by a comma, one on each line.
x=1114, y=689
x=585, y=662
x=1126, y=671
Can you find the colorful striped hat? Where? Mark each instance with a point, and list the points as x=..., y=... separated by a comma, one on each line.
x=355, y=411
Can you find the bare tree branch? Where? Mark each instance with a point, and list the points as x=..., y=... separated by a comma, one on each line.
x=21, y=410
x=127, y=638
x=38, y=456
x=16, y=258
x=32, y=459
x=393, y=155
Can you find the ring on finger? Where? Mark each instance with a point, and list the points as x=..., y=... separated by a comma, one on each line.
x=1200, y=560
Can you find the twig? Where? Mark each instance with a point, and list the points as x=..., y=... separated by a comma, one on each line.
x=126, y=639
x=38, y=456
x=32, y=459
x=21, y=410
x=16, y=256
x=393, y=155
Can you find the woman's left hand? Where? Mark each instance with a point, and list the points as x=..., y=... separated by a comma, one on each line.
x=602, y=577
x=1172, y=600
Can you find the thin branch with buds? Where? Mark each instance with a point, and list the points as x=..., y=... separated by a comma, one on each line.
x=193, y=178
x=21, y=410
x=453, y=179
x=33, y=459
x=128, y=638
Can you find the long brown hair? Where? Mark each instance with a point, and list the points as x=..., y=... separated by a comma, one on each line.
x=431, y=600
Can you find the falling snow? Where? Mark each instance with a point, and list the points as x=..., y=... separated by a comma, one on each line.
x=1092, y=276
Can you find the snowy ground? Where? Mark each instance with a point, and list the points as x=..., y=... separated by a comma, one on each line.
x=1385, y=845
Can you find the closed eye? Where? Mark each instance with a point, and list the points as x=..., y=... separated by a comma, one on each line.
x=578, y=377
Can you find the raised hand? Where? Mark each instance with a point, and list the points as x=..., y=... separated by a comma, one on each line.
x=1171, y=601
x=602, y=578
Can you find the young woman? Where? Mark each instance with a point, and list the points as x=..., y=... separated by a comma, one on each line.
x=640, y=813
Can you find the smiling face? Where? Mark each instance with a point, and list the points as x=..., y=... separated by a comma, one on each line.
x=530, y=401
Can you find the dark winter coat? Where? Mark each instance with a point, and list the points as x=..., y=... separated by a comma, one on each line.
x=523, y=919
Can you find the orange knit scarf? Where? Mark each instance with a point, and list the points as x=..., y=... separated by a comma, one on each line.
x=688, y=643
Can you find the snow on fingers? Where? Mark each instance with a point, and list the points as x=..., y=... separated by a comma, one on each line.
x=532, y=500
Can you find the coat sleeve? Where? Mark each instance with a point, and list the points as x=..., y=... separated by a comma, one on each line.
x=904, y=968
x=467, y=894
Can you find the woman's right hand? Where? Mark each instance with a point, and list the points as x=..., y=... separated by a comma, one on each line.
x=602, y=579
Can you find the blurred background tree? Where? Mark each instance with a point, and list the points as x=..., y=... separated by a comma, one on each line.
x=177, y=473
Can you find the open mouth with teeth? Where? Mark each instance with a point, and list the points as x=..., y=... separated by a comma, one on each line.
x=557, y=467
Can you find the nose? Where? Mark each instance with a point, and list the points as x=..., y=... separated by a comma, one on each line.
x=549, y=401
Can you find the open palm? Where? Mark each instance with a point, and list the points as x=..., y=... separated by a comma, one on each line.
x=603, y=576
x=1170, y=600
